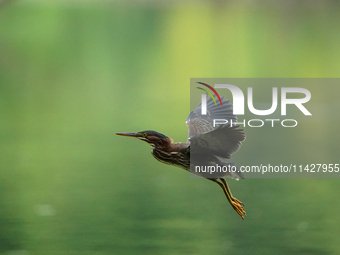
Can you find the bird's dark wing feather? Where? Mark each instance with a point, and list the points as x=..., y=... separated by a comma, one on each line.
x=222, y=140
x=200, y=124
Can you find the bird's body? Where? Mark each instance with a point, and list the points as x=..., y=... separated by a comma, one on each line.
x=206, y=146
x=172, y=155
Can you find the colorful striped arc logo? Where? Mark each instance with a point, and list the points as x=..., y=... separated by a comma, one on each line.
x=204, y=97
x=209, y=93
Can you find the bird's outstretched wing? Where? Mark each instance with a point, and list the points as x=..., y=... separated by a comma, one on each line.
x=200, y=124
x=222, y=140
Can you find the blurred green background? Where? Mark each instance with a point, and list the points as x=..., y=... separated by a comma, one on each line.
x=74, y=73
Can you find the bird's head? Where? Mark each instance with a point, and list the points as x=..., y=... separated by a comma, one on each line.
x=152, y=137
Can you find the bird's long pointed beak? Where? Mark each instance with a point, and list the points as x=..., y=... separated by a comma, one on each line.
x=136, y=135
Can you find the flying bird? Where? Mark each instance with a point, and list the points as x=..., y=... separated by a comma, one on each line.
x=206, y=146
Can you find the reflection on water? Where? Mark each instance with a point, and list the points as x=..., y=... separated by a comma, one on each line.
x=73, y=77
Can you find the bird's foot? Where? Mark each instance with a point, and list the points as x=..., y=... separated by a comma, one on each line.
x=238, y=201
x=238, y=207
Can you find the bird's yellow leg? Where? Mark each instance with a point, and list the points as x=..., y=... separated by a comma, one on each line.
x=236, y=204
x=229, y=191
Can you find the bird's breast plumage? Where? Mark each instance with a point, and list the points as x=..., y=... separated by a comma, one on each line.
x=174, y=158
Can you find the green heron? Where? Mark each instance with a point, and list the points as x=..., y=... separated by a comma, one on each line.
x=206, y=146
